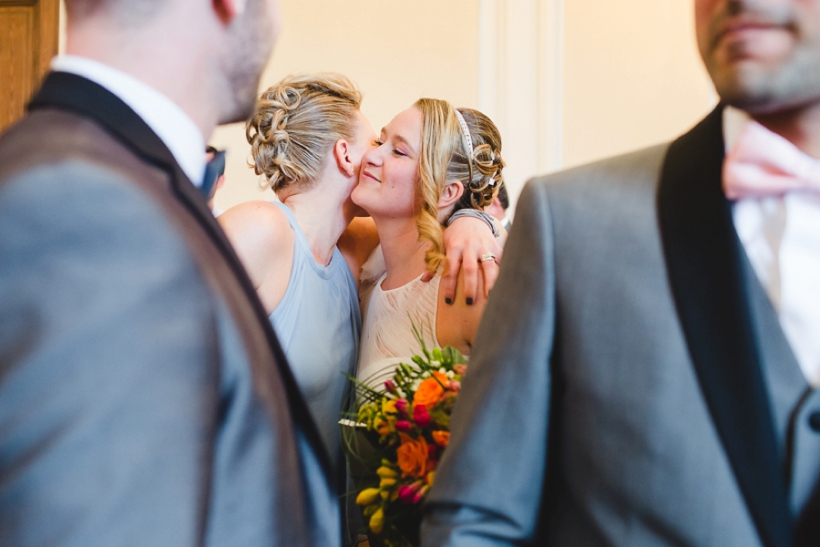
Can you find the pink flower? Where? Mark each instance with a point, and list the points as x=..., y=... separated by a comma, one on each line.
x=404, y=425
x=460, y=369
x=407, y=492
x=401, y=406
x=455, y=385
x=390, y=386
x=420, y=494
x=421, y=416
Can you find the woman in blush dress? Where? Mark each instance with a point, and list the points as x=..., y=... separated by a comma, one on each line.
x=431, y=160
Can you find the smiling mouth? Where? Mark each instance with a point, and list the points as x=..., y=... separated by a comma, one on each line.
x=735, y=28
x=368, y=175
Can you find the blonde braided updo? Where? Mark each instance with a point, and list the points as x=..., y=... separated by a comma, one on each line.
x=295, y=125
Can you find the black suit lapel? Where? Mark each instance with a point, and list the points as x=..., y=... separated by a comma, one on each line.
x=77, y=94
x=706, y=274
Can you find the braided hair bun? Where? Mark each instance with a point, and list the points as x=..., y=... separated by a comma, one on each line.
x=296, y=124
x=485, y=171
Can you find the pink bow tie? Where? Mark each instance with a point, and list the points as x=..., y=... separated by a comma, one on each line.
x=762, y=163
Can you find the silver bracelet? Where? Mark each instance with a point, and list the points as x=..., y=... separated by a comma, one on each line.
x=475, y=213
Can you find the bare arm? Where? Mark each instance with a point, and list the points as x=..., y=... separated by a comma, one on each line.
x=357, y=243
x=457, y=324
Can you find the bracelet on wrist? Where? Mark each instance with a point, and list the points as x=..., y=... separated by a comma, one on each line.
x=475, y=213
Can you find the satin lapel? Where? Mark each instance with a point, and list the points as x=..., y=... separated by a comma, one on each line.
x=79, y=95
x=702, y=255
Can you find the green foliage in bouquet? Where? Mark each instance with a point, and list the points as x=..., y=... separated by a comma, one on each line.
x=406, y=428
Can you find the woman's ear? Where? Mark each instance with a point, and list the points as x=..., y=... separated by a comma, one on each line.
x=450, y=194
x=341, y=152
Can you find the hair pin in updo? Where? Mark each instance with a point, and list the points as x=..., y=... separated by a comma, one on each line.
x=466, y=131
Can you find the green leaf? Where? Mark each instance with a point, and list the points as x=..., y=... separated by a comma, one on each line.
x=453, y=356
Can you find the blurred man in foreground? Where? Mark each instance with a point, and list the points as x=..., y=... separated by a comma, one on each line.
x=647, y=370
x=144, y=399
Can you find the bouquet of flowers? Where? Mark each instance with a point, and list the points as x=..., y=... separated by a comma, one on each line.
x=408, y=428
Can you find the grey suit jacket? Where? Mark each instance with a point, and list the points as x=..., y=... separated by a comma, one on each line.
x=143, y=398
x=616, y=393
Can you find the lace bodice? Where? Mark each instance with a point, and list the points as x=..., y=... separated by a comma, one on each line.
x=388, y=317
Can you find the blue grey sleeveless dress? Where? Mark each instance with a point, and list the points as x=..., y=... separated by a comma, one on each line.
x=318, y=324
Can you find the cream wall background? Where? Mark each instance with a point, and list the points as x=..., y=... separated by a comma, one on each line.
x=566, y=81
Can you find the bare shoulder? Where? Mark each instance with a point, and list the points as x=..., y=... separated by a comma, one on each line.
x=261, y=236
x=257, y=226
x=259, y=217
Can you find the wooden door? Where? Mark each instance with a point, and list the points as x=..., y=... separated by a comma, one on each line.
x=29, y=35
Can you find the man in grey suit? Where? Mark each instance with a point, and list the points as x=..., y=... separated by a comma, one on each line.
x=646, y=370
x=144, y=399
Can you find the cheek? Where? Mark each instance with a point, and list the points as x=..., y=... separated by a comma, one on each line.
x=703, y=15
x=403, y=186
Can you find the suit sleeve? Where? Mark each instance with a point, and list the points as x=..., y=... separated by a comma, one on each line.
x=108, y=366
x=489, y=485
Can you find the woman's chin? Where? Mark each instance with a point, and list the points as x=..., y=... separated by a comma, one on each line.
x=361, y=196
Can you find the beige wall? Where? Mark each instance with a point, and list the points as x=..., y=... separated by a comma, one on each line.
x=632, y=75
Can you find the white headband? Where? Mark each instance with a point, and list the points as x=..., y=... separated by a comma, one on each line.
x=466, y=131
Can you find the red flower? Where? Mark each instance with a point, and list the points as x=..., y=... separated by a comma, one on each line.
x=421, y=416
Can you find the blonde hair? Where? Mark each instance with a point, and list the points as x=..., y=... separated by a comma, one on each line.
x=445, y=157
x=295, y=125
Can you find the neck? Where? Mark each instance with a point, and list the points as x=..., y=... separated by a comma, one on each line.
x=801, y=126
x=173, y=66
x=322, y=220
x=403, y=252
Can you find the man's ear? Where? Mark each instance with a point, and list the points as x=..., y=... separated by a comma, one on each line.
x=229, y=9
x=450, y=194
x=341, y=152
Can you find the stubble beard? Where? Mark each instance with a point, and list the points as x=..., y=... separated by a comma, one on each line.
x=767, y=90
x=244, y=61
x=754, y=85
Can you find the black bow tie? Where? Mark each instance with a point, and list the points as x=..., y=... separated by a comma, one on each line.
x=213, y=170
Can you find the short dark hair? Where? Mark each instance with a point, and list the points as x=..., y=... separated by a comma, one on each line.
x=503, y=197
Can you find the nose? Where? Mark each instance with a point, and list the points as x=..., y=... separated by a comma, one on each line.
x=373, y=156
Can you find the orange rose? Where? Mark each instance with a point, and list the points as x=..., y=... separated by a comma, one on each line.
x=430, y=390
x=412, y=456
x=442, y=438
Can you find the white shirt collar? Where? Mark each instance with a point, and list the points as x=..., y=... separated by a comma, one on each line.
x=171, y=124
